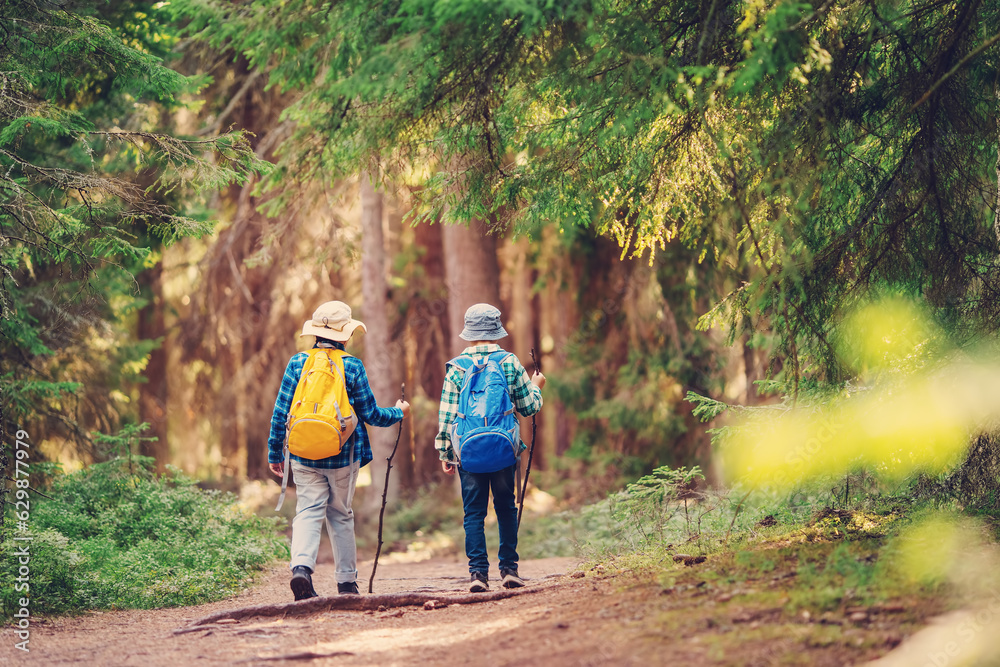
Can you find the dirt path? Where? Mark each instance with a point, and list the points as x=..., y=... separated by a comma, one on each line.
x=629, y=619
x=405, y=636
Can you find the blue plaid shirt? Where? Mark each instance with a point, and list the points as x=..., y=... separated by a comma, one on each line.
x=362, y=400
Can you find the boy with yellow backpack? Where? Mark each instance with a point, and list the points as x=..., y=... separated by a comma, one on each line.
x=318, y=432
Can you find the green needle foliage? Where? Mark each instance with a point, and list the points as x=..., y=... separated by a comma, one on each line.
x=816, y=150
x=89, y=186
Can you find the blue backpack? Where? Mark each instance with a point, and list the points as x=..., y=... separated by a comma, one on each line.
x=485, y=432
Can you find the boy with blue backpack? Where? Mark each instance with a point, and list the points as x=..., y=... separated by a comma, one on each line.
x=479, y=438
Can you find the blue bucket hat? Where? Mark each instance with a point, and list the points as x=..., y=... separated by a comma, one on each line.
x=482, y=322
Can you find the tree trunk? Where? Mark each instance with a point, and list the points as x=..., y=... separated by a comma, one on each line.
x=431, y=325
x=399, y=236
x=560, y=316
x=996, y=213
x=750, y=370
x=153, y=392
x=380, y=360
x=472, y=274
x=516, y=281
x=541, y=421
x=429, y=332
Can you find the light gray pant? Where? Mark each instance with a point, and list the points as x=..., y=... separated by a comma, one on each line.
x=325, y=494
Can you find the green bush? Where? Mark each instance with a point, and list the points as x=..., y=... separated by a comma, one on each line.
x=585, y=532
x=115, y=536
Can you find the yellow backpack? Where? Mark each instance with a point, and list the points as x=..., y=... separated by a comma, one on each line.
x=321, y=418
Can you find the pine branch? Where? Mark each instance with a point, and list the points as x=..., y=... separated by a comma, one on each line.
x=954, y=70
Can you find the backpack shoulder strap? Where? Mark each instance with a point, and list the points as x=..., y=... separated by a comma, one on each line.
x=308, y=362
x=462, y=362
x=333, y=359
x=500, y=356
x=332, y=352
x=329, y=350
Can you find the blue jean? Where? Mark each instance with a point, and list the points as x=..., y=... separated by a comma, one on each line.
x=476, y=488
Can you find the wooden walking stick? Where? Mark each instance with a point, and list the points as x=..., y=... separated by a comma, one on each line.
x=531, y=451
x=385, y=491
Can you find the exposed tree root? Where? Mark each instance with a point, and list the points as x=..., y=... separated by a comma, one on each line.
x=302, y=655
x=198, y=628
x=354, y=603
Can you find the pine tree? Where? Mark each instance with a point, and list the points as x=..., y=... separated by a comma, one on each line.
x=821, y=151
x=90, y=187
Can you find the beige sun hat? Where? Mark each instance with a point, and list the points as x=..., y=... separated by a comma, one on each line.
x=332, y=321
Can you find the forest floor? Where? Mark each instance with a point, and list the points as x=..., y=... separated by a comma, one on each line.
x=729, y=610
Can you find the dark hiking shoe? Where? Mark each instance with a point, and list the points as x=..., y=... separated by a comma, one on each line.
x=480, y=583
x=302, y=583
x=509, y=578
x=349, y=588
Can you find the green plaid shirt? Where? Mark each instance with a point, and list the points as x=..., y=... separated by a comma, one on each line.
x=527, y=398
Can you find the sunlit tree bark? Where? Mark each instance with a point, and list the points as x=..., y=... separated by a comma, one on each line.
x=382, y=355
x=472, y=274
